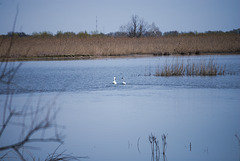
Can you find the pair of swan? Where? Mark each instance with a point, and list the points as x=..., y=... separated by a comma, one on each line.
x=115, y=82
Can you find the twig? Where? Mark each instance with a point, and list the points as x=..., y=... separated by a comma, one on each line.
x=61, y=156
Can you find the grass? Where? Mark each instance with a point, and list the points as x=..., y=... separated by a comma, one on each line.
x=201, y=68
x=76, y=47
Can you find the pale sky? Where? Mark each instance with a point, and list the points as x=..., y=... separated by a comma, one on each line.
x=80, y=15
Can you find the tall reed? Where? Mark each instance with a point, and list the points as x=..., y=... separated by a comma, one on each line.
x=202, y=68
x=102, y=46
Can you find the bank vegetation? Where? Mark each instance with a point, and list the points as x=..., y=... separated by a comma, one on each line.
x=43, y=46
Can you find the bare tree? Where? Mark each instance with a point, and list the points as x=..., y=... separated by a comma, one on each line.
x=137, y=27
x=153, y=30
x=34, y=123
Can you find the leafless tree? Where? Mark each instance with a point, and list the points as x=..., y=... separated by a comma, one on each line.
x=153, y=30
x=35, y=124
x=136, y=27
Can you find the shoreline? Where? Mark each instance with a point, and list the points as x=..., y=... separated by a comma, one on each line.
x=93, y=57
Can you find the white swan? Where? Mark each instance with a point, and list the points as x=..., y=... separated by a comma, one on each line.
x=114, y=80
x=123, y=81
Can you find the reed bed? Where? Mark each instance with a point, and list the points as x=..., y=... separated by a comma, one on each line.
x=103, y=46
x=201, y=68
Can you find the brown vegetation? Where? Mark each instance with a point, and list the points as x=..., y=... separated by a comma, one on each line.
x=201, y=68
x=76, y=47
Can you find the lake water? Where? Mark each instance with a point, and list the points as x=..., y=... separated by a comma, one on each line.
x=113, y=122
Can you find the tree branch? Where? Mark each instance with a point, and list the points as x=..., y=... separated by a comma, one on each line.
x=6, y=123
x=43, y=125
x=20, y=155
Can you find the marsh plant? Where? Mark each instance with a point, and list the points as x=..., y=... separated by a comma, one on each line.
x=173, y=69
x=164, y=142
x=154, y=147
x=201, y=68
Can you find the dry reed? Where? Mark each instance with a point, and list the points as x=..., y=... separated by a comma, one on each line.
x=102, y=46
x=202, y=68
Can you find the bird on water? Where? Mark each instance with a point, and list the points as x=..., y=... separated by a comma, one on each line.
x=114, y=80
x=123, y=81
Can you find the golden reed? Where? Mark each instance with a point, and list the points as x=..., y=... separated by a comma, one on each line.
x=74, y=47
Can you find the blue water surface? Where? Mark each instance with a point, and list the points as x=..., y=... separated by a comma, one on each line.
x=113, y=122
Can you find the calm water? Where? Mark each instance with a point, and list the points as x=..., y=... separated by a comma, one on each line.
x=106, y=122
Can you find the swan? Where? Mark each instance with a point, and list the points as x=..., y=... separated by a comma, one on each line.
x=123, y=81
x=114, y=80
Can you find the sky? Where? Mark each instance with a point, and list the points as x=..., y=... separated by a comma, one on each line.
x=80, y=15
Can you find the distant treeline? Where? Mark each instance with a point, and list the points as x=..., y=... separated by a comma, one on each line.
x=116, y=34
